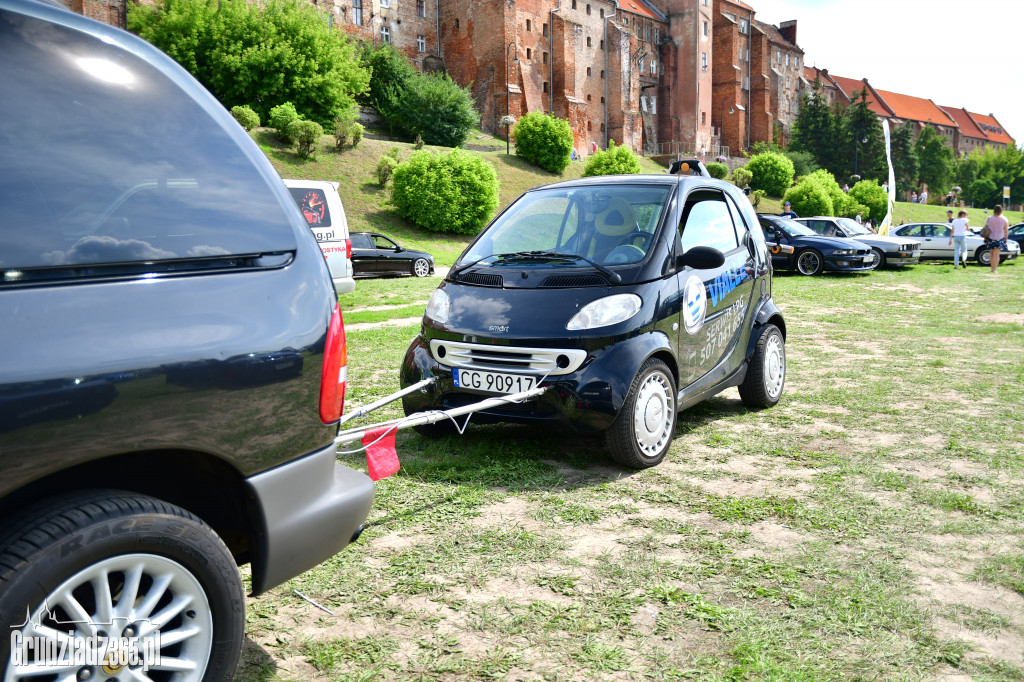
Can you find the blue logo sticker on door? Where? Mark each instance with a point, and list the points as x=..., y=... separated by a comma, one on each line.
x=695, y=304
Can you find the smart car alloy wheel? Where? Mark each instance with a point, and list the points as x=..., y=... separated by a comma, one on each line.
x=643, y=430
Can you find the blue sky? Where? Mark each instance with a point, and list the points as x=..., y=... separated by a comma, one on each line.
x=962, y=54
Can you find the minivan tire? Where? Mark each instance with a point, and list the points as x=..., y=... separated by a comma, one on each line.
x=766, y=373
x=642, y=431
x=76, y=541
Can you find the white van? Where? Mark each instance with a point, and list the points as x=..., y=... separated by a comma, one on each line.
x=320, y=203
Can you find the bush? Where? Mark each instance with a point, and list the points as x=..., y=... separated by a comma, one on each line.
x=756, y=196
x=803, y=162
x=246, y=117
x=395, y=152
x=809, y=198
x=771, y=172
x=613, y=161
x=454, y=192
x=741, y=177
x=842, y=204
x=307, y=137
x=258, y=54
x=386, y=166
x=344, y=126
x=392, y=74
x=871, y=195
x=357, y=134
x=543, y=141
x=434, y=108
x=281, y=117
x=718, y=170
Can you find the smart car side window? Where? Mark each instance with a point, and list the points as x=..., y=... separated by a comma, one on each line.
x=708, y=222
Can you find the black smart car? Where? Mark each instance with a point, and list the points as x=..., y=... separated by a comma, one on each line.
x=811, y=253
x=632, y=297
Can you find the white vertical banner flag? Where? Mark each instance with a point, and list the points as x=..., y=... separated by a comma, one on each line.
x=886, y=223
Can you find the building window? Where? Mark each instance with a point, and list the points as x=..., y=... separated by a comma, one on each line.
x=602, y=73
x=703, y=118
x=787, y=83
x=588, y=41
x=654, y=105
x=421, y=8
x=574, y=4
x=528, y=53
x=588, y=71
x=602, y=44
x=705, y=29
x=743, y=25
x=590, y=126
x=654, y=67
x=421, y=43
x=527, y=25
x=357, y=12
x=545, y=29
x=796, y=61
x=589, y=98
x=602, y=127
x=647, y=32
x=384, y=4
x=602, y=100
x=602, y=13
x=385, y=34
x=787, y=60
x=545, y=86
x=456, y=24
x=703, y=61
x=544, y=57
x=657, y=34
x=641, y=66
x=778, y=56
x=588, y=9
x=746, y=83
x=643, y=103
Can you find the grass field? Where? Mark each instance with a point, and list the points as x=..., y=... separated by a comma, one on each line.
x=868, y=527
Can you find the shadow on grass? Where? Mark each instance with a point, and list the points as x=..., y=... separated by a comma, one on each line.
x=255, y=664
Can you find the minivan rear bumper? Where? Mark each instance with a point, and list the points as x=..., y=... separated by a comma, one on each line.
x=311, y=509
x=344, y=285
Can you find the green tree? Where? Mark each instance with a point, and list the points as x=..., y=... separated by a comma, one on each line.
x=935, y=158
x=259, y=54
x=1004, y=167
x=904, y=157
x=435, y=108
x=454, y=192
x=870, y=194
x=815, y=128
x=544, y=141
x=862, y=141
x=809, y=198
x=772, y=172
x=613, y=161
x=392, y=76
x=983, y=192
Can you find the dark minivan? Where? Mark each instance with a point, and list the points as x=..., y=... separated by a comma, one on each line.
x=173, y=365
x=630, y=296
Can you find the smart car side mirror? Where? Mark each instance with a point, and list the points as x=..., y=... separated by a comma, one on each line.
x=701, y=258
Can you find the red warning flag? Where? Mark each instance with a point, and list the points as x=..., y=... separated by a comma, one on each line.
x=381, y=457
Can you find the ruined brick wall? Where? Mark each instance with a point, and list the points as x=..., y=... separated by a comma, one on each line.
x=625, y=124
x=686, y=86
x=763, y=88
x=731, y=68
x=110, y=12
x=473, y=46
x=413, y=35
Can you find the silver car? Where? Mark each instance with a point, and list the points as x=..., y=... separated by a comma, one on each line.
x=935, y=244
x=889, y=250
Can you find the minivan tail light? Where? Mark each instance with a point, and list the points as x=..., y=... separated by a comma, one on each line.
x=348, y=248
x=332, y=381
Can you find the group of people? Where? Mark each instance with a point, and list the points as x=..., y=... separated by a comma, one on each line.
x=995, y=233
x=921, y=198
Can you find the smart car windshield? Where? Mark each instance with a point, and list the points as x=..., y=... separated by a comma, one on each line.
x=609, y=225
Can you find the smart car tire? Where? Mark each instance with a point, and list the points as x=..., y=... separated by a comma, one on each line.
x=420, y=267
x=766, y=374
x=810, y=262
x=879, y=259
x=643, y=429
x=124, y=562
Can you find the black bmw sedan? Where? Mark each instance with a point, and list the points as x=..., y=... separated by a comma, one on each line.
x=810, y=253
x=630, y=297
x=375, y=254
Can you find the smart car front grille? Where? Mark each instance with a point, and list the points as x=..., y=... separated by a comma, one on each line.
x=574, y=281
x=482, y=279
x=540, y=361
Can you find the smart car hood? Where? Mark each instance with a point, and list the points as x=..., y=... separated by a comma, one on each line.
x=496, y=313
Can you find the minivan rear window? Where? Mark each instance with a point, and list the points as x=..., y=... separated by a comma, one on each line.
x=105, y=160
x=313, y=203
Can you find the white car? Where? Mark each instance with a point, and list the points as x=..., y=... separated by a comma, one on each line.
x=934, y=238
x=321, y=205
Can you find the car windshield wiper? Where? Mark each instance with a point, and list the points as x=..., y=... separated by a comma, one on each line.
x=612, y=277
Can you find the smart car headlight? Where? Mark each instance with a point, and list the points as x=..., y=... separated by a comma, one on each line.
x=605, y=311
x=439, y=307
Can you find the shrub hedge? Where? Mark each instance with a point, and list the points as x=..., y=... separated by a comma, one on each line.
x=544, y=141
x=455, y=192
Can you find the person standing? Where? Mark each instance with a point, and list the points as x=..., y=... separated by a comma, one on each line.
x=998, y=227
x=949, y=216
x=958, y=238
x=788, y=211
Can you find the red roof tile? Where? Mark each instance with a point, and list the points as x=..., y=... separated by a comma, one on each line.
x=913, y=108
x=851, y=86
x=639, y=7
x=966, y=123
x=992, y=128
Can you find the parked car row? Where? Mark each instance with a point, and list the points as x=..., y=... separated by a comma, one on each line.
x=842, y=245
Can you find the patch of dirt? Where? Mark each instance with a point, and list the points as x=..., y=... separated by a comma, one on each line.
x=399, y=322
x=772, y=534
x=1010, y=318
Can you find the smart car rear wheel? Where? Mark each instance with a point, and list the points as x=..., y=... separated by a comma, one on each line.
x=642, y=431
x=766, y=374
x=810, y=262
x=111, y=564
x=420, y=267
